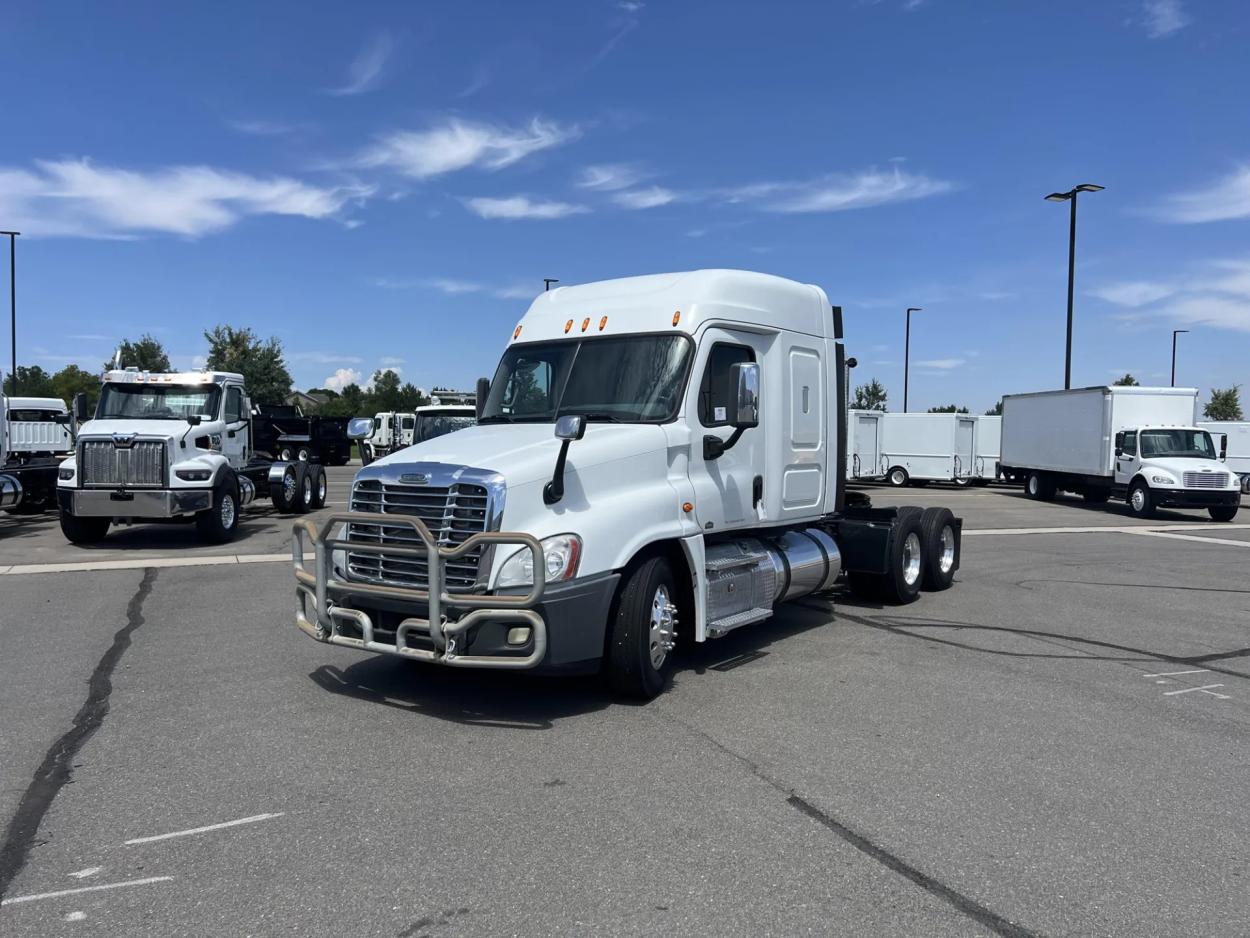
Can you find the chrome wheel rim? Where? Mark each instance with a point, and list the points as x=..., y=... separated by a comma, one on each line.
x=321, y=488
x=911, y=559
x=307, y=490
x=947, y=561
x=1139, y=499
x=303, y=455
x=897, y=477
x=227, y=511
x=288, y=486
x=663, y=631
x=1033, y=485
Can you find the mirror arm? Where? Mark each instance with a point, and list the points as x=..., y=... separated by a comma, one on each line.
x=714, y=446
x=553, y=491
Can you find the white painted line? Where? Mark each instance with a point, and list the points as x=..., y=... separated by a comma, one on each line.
x=89, y=871
x=140, y=563
x=1118, y=529
x=1174, y=673
x=73, y=892
x=1193, y=537
x=204, y=830
x=1206, y=688
x=75, y=916
x=263, y=558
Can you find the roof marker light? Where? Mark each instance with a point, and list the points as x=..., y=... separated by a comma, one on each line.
x=585, y=324
x=603, y=321
x=567, y=326
x=676, y=317
x=517, y=331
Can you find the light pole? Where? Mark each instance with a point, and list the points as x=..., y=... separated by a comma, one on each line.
x=907, y=352
x=13, y=301
x=548, y=281
x=1070, y=196
x=1175, y=333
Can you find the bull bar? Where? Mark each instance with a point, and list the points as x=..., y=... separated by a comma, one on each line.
x=321, y=590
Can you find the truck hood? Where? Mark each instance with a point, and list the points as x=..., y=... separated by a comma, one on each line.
x=1177, y=468
x=166, y=429
x=526, y=452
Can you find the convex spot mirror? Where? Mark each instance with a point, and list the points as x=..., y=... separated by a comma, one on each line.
x=360, y=428
x=571, y=427
x=744, y=406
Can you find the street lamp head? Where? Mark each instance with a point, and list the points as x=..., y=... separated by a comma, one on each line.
x=1059, y=197
x=1178, y=331
x=914, y=309
x=1088, y=187
x=851, y=362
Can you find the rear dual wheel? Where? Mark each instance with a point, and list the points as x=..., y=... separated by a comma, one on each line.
x=923, y=554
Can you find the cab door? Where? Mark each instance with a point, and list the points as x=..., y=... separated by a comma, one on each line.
x=234, y=439
x=1126, y=460
x=728, y=489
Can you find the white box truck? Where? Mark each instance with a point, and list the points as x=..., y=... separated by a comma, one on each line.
x=1236, y=443
x=928, y=448
x=989, y=440
x=1132, y=443
x=657, y=459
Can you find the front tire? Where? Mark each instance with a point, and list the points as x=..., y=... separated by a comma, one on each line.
x=898, y=477
x=643, y=631
x=219, y=524
x=1140, y=502
x=84, y=530
x=1039, y=486
x=1223, y=512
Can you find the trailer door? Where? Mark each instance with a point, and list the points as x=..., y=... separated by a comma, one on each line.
x=867, y=450
x=965, y=454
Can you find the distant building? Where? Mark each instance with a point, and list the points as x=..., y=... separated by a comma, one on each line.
x=307, y=401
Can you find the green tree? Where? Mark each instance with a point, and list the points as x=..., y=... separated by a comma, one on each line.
x=410, y=397
x=145, y=353
x=32, y=381
x=1128, y=381
x=948, y=409
x=1225, y=404
x=870, y=396
x=996, y=410
x=72, y=380
x=261, y=363
x=386, y=392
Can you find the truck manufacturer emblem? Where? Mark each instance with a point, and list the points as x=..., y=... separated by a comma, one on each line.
x=124, y=440
x=414, y=478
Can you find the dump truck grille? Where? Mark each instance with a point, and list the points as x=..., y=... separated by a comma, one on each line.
x=1205, y=480
x=453, y=514
x=140, y=464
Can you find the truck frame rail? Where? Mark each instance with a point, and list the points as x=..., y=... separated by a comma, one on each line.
x=320, y=592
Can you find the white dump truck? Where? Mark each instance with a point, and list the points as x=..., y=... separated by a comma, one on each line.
x=656, y=459
x=1132, y=443
x=27, y=475
x=1233, y=437
x=393, y=431
x=39, y=426
x=174, y=447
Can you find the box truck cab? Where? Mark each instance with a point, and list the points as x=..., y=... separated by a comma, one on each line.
x=1133, y=443
x=173, y=447
x=656, y=459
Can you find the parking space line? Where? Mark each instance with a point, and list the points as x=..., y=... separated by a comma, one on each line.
x=1174, y=673
x=1193, y=537
x=87, y=566
x=1206, y=689
x=203, y=830
x=1155, y=530
x=35, y=897
x=89, y=871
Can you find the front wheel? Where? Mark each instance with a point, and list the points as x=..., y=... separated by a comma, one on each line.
x=643, y=631
x=1039, y=486
x=219, y=524
x=1140, y=502
x=83, y=530
x=1223, y=512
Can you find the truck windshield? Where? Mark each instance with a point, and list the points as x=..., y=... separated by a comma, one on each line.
x=632, y=379
x=431, y=425
x=1192, y=443
x=158, y=401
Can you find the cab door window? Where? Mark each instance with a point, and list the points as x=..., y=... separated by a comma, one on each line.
x=234, y=405
x=716, y=388
x=1130, y=444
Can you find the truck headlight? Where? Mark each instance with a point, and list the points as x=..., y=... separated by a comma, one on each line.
x=561, y=553
x=194, y=475
x=1162, y=480
x=65, y=474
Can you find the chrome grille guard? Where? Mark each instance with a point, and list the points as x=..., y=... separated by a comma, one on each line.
x=318, y=590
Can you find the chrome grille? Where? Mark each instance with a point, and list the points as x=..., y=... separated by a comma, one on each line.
x=452, y=513
x=141, y=464
x=1206, y=480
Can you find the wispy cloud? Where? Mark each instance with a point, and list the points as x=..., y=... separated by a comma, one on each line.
x=341, y=378
x=77, y=198
x=480, y=79
x=454, y=287
x=389, y=361
x=1224, y=199
x=1163, y=17
x=262, y=128
x=520, y=206
x=652, y=197
x=610, y=177
x=942, y=364
x=1133, y=292
x=366, y=69
x=324, y=358
x=840, y=192
x=458, y=144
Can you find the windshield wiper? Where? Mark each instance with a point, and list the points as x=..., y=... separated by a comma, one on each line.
x=496, y=418
x=591, y=415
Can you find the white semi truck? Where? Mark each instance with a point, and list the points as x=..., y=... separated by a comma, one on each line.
x=1133, y=443
x=393, y=431
x=656, y=459
x=174, y=447
x=1235, y=442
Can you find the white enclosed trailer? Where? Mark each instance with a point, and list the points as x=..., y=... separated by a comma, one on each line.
x=928, y=448
x=1138, y=444
x=1236, y=434
x=989, y=439
x=863, y=445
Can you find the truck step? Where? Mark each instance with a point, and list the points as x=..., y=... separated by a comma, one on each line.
x=719, y=627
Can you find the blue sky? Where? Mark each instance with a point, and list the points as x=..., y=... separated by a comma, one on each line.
x=387, y=184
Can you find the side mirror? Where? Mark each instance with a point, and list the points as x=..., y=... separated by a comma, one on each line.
x=63, y=419
x=1223, y=447
x=360, y=428
x=571, y=427
x=81, y=410
x=483, y=392
x=744, y=407
x=1119, y=451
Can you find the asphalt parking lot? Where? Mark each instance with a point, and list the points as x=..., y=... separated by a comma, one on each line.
x=1055, y=746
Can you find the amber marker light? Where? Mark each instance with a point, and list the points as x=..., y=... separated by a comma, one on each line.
x=567, y=326
x=687, y=507
x=516, y=332
x=603, y=321
x=585, y=324
x=676, y=317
